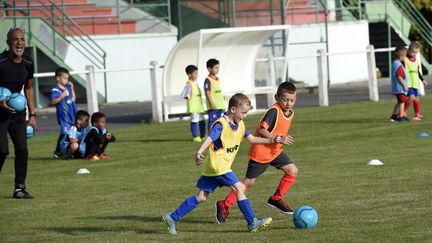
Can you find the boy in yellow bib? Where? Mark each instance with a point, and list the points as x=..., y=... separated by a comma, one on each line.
x=224, y=141
x=212, y=88
x=192, y=93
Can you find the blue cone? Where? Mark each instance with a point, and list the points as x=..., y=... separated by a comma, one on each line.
x=423, y=134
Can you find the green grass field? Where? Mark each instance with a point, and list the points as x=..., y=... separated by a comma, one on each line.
x=153, y=170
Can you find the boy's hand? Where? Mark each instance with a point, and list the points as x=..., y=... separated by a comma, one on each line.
x=406, y=88
x=64, y=94
x=108, y=135
x=276, y=139
x=70, y=84
x=199, y=158
x=288, y=140
x=4, y=105
x=425, y=82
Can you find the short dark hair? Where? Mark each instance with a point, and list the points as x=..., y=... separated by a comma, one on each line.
x=397, y=54
x=190, y=69
x=81, y=115
x=414, y=45
x=237, y=100
x=60, y=70
x=286, y=87
x=212, y=62
x=12, y=30
x=96, y=117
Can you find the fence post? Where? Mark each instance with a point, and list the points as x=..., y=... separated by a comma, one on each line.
x=421, y=85
x=271, y=79
x=372, y=77
x=156, y=92
x=92, y=101
x=322, y=81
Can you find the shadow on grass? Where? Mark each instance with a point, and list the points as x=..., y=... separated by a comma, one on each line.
x=153, y=140
x=80, y=230
x=342, y=121
x=148, y=219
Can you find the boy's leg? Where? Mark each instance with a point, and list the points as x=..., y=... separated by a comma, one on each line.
x=194, y=124
x=73, y=147
x=410, y=98
x=417, y=106
x=245, y=207
x=202, y=126
x=91, y=148
x=188, y=205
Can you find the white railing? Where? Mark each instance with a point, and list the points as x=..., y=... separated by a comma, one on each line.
x=159, y=101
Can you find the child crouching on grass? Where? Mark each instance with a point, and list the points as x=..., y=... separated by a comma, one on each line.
x=97, y=138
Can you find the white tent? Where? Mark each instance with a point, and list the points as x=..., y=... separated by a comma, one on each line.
x=235, y=48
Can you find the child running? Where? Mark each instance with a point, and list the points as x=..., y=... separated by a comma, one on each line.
x=224, y=142
x=275, y=122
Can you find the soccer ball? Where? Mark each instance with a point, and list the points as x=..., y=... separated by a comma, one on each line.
x=30, y=131
x=305, y=217
x=17, y=102
x=4, y=93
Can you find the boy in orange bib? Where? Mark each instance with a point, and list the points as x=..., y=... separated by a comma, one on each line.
x=275, y=122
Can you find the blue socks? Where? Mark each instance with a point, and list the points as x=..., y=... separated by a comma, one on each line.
x=188, y=205
x=194, y=129
x=202, y=127
x=246, y=209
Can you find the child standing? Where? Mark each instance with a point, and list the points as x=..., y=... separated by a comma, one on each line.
x=399, y=84
x=192, y=93
x=412, y=68
x=72, y=145
x=215, y=99
x=97, y=138
x=275, y=122
x=63, y=97
x=224, y=142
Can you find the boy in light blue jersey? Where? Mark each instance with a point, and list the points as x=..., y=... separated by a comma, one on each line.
x=63, y=97
x=72, y=143
x=399, y=84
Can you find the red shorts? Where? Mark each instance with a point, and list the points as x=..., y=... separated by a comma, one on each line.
x=401, y=98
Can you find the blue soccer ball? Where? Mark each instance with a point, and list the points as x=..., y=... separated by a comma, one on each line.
x=30, y=131
x=17, y=102
x=305, y=217
x=4, y=93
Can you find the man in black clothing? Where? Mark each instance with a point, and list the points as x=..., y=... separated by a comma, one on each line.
x=16, y=72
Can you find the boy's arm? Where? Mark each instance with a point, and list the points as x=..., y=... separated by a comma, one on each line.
x=254, y=140
x=73, y=90
x=199, y=158
x=288, y=139
x=401, y=81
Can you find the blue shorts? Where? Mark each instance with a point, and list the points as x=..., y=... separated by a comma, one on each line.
x=209, y=183
x=412, y=91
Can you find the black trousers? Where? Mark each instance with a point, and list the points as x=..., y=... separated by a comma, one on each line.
x=95, y=148
x=16, y=126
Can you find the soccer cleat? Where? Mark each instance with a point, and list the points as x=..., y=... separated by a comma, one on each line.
x=404, y=118
x=393, y=118
x=104, y=156
x=92, y=158
x=197, y=139
x=281, y=205
x=57, y=155
x=222, y=212
x=21, y=194
x=170, y=223
x=259, y=223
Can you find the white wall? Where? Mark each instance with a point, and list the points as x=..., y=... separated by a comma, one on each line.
x=343, y=36
x=127, y=51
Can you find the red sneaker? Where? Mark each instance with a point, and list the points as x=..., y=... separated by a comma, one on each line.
x=222, y=212
x=104, y=156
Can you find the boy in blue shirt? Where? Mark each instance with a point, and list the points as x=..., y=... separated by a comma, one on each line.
x=97, y=138
x=63, y=97
x=224, y=142
x=399, y=84
x=72, y=143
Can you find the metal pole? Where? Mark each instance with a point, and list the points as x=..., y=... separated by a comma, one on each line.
x=234, y=13
x=271, y=78
x=322, y=84
x=92, y=102
x=36, y=79
x=156, y=92
x=327, y=44
x=373, y=82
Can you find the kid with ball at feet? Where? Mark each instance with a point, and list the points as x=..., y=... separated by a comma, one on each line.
x=275, y=122
x=224, y=141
